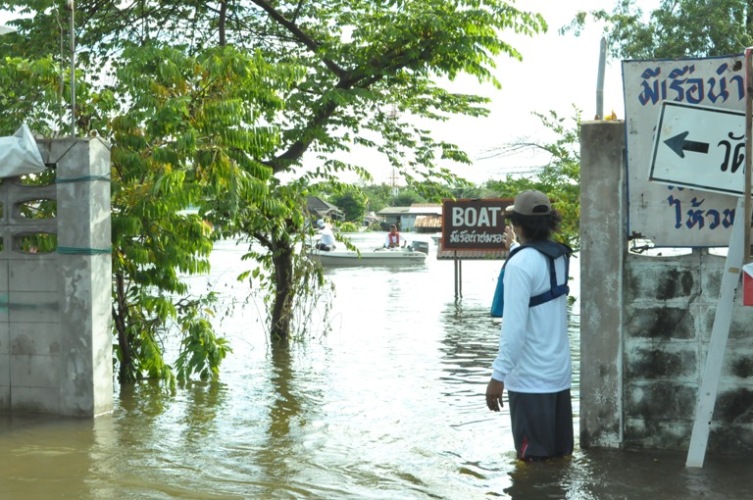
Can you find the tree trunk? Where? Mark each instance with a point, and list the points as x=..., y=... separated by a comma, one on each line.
x=120, y=318
x=284, y=292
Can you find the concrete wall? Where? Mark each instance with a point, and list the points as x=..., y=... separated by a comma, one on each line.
x=55, y=335
x=645, y=326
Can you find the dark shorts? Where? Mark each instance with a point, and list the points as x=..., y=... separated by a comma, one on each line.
x=542, y=424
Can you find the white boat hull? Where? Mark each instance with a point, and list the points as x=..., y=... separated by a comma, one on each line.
x=366, y=258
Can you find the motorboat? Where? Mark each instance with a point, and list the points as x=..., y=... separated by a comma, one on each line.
x=377, y=257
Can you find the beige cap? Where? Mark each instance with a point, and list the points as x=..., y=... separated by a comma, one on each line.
x=531, y=203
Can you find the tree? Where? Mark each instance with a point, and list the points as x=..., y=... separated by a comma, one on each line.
x=676, y=29
x=211, y=104
x=364, y=62
x=352, y=202
x=378, y=196
x=407, y=197
x=182, y=142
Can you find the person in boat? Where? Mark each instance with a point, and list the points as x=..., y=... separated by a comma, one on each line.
x=533, y=362
x=394, y=239
x=326, y=237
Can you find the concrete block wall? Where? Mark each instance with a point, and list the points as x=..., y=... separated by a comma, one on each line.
x=670, y=308
x=55, y=335
x=646, y=323
x=667, y=309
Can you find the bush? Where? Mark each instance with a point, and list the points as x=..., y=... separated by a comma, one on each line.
x=348, y=227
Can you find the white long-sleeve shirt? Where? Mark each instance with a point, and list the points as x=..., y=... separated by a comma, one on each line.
x=327, y=237
x=534, y=351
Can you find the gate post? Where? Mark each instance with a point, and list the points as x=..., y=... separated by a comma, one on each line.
x=602, y=255
x=85, y=276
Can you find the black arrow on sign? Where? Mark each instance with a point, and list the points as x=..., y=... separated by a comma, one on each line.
x=679, y=145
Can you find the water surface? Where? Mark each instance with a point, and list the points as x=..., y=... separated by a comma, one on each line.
x=384, y=399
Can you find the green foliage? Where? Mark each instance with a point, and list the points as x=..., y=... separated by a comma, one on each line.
x=676, y=29
x=201, y=351
x=352, y=202
x=186, y=140
x=378, y=196
x=349, y=227
x=31, y=91
x=559, y=178
x=407, y=197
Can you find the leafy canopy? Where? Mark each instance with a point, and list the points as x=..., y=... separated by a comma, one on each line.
x=676, y=29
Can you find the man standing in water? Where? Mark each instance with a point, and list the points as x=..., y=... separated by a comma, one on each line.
x=533, y=362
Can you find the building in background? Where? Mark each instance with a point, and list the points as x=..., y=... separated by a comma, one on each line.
x=321, y=209
x=419, y=217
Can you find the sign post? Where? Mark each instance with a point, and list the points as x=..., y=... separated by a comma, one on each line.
x=472, y=225
x=717, y=345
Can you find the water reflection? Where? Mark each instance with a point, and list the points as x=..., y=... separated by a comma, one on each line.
x=274, y=456
x=468, y=348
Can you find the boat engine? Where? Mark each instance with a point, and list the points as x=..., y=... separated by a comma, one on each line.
x=420, y=246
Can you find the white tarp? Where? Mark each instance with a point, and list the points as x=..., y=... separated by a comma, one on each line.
x=19, y=154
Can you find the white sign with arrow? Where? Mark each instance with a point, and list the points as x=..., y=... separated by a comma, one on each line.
x=699, y=147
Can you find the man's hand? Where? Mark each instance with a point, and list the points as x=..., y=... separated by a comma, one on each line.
x=509, y=237
x=494, y=394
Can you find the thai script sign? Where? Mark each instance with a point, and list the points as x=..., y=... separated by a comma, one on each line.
x=474, y=224
x=676, y=215
x=700, y=147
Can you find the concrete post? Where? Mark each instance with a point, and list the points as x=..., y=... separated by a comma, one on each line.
x=603, y=249
x=85, y=267
x=55, y=335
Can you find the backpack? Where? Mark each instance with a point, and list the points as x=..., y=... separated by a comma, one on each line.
x=552, y=250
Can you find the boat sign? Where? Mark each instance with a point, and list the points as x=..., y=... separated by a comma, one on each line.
x=473, y=224
x=699, y=147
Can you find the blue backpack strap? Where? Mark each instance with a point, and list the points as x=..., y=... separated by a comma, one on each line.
x=555, y=289
x=552, y=250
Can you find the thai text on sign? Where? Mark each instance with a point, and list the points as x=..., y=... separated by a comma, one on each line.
x=678, y=215
x=474, y=224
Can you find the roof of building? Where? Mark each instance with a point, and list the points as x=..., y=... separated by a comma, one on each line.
x=393, y=211
x=321, y=208
x=415, y=209
x=428, y=221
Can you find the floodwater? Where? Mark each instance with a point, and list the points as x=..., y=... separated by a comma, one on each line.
x=384, y=400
